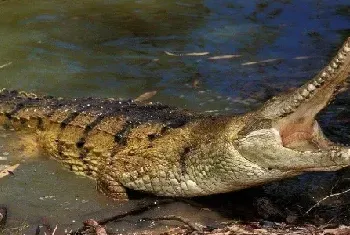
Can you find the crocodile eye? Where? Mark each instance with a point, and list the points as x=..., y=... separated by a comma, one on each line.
x=151, y=136
x=80, y=143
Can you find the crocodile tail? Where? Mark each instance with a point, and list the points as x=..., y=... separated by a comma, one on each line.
x=316, y=93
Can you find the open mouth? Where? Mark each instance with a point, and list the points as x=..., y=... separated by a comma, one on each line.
x=295, y=112
x=301, y=136
x=301, y=131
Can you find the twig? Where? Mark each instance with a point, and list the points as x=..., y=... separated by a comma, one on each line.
x=136, y=211
x=223, y=57
x=187, y=54
x=261, y=62
x=5, y=65
x=192, y=226
x=54, y=230
x=325, y=198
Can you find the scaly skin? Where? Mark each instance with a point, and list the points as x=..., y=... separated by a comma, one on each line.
x=170, y=152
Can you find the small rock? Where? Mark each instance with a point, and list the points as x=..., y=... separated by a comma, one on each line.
x=3, y=216
x=291, y=219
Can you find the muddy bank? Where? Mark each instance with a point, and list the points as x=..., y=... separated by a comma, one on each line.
x=281, y=208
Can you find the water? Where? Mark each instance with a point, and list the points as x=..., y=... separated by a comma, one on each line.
x=118, y=49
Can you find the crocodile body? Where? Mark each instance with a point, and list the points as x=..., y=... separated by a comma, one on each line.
x=171, y=152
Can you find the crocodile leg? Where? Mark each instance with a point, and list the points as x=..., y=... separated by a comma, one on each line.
x=108, y=185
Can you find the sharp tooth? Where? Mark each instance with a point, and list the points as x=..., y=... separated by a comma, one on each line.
x=324, y=74
x=332, y=154
x=340, y=56
x=298, y=97
x=320, y=80
x=339, y=60
x=311, y=87
x=346, y=48
x=287, y=110
x=316, y=84
x=305, y=93
x=295, y=104
x=330, y=69
x=334, y=65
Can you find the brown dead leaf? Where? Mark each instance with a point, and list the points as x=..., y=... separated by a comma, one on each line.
x=195, y=83
x=7, y=170
x=145, y=96
x=94, y=225
x=196, y=80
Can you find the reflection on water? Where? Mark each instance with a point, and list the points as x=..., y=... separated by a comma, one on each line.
x=117, y=49
x=93, y=47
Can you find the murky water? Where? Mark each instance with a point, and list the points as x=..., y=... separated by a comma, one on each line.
x=246, y=51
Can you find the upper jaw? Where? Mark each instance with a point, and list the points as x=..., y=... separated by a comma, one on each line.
x=316, y=93
x=294, y=113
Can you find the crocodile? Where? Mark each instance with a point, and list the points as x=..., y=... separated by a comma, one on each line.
x=166, y=151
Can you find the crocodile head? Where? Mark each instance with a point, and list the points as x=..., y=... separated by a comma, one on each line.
x=284, y=133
